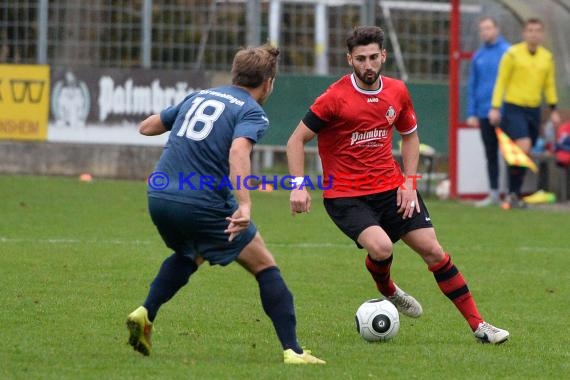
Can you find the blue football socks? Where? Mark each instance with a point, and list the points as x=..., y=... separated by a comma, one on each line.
x=173, y=275
x=277, y=302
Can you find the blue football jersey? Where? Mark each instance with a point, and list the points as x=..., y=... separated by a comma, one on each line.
x=194, y=166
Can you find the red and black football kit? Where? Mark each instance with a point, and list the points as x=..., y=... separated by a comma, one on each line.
x=354, y=128
x=354, y=132
x=354, y=135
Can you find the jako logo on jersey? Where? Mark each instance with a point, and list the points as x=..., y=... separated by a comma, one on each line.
x=391, y=115
x=363, y=137
x=372, y=100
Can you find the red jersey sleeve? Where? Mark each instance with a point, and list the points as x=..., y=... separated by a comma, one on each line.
x=324, y=106
x=407, y=122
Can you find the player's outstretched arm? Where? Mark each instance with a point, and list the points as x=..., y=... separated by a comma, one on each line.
x=152, y=126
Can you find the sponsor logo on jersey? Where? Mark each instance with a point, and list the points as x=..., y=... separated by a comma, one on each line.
x=391, y=115
x=372, y=100
x=368, y=136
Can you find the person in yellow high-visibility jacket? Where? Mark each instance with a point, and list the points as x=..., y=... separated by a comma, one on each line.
x=526, y=75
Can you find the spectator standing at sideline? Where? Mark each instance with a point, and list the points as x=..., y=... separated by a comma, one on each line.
x=482, y=75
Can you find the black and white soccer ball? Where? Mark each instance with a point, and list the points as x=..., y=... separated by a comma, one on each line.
x=377, y=320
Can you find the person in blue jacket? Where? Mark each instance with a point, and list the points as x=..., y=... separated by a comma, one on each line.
x=482, y=76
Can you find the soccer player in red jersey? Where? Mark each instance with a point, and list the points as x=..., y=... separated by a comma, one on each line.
x=366, y=193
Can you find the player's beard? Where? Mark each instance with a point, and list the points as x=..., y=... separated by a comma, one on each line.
x=369, y=77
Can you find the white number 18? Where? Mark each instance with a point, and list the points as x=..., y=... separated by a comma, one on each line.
x=196, y=114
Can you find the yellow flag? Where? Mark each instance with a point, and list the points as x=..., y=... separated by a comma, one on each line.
x=512, y=153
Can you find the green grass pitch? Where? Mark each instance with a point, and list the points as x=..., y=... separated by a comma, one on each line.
x=76, y=258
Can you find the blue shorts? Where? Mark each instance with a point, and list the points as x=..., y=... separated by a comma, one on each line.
x=355, y=214
x=520, y=122
x=192, y=230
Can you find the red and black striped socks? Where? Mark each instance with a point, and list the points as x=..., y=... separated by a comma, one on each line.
x=380, y=271
x=453, y=285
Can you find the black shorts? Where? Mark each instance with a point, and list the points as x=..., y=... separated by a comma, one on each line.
x=353, y=215
x=520, y=122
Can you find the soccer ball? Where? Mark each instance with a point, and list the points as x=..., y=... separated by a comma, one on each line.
x=377, y=320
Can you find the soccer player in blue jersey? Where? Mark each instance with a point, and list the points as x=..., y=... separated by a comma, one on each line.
x=191, y=196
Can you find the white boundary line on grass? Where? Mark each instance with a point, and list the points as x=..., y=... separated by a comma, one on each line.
x=4, y=239
x=8, y=240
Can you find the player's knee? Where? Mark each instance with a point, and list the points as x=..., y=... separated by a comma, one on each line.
x=255, y=257
x=379, y=250
x=432, y=253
